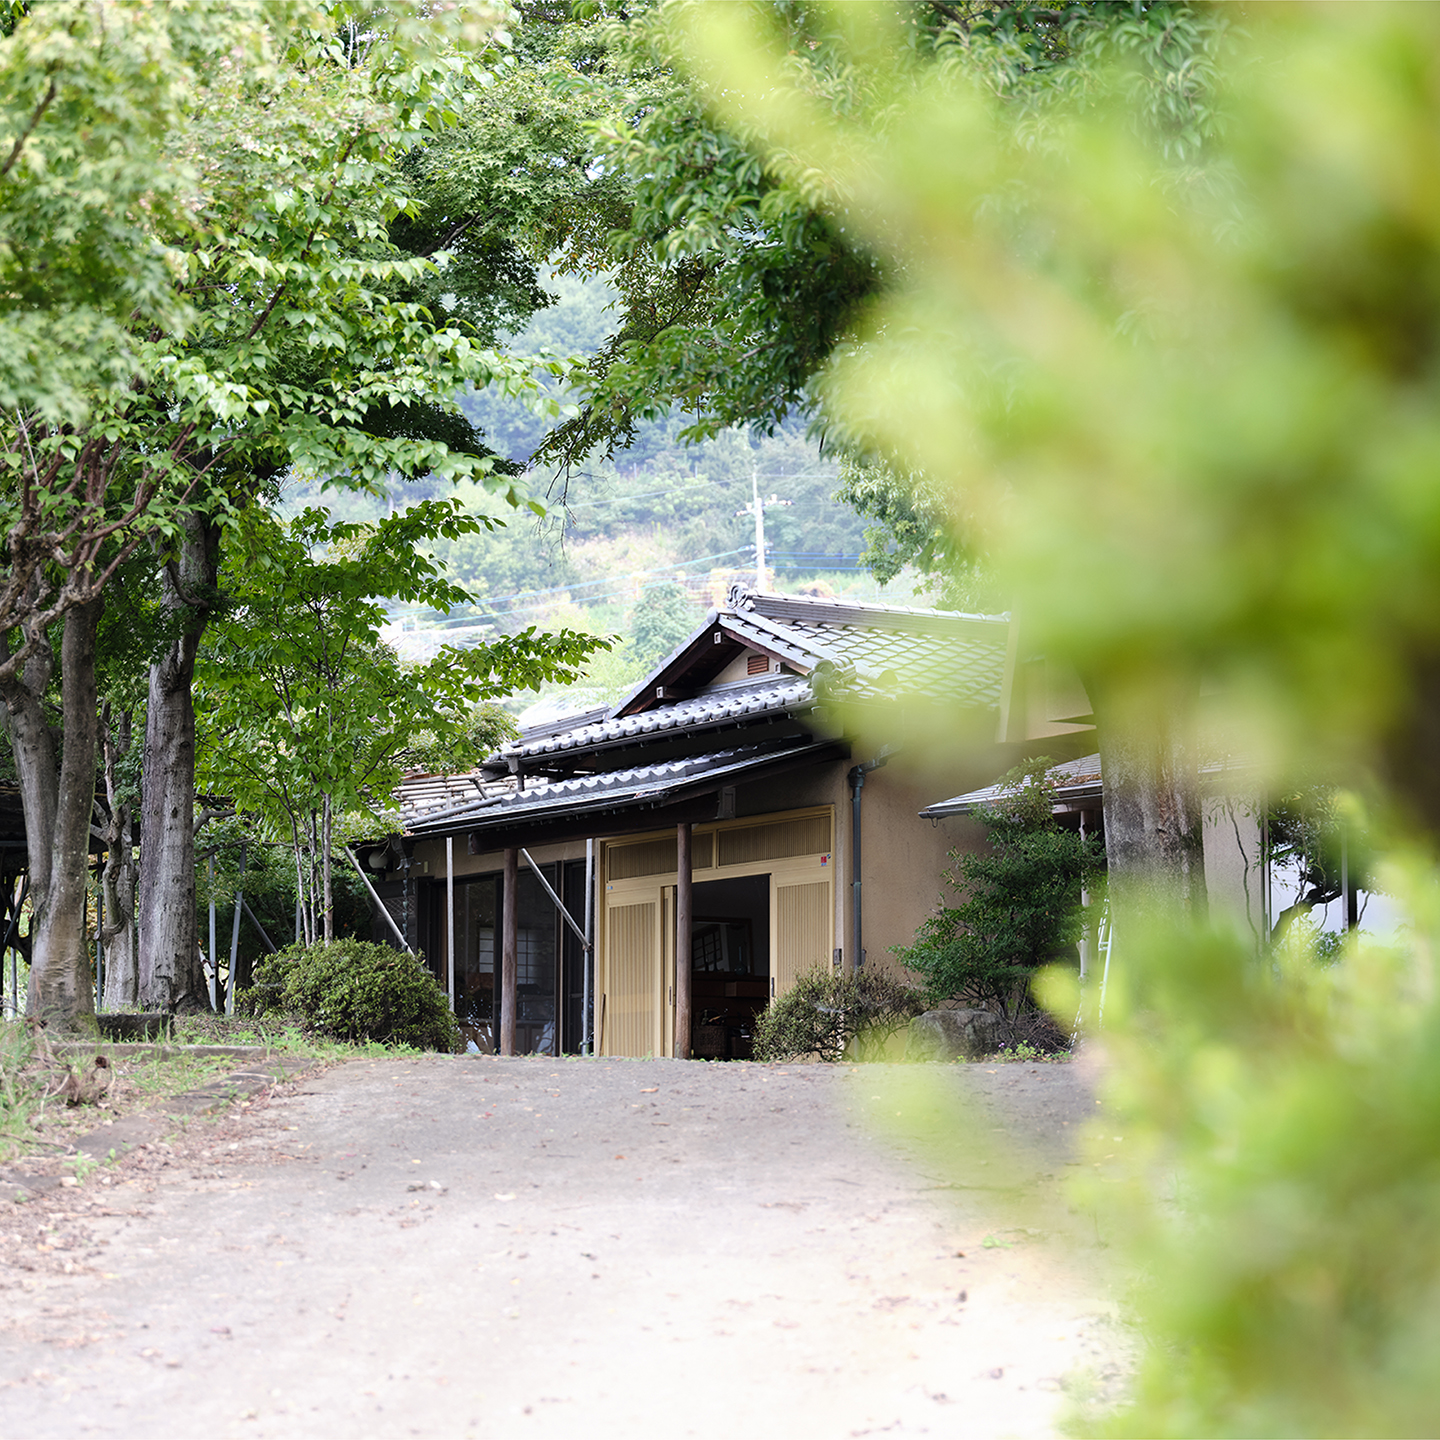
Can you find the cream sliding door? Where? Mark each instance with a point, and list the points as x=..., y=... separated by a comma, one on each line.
x=632, y=976
x=802, y=912
x=637, y=985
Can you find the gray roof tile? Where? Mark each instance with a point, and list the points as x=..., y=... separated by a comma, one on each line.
x=505, y=802
x=1073, y=780
x=725, y=702
x=954, y=657
x=869, y=650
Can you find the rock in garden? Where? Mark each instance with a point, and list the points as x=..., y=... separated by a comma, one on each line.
x=954, y=1035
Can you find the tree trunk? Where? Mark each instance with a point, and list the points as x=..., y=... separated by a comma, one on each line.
x=307, y=923
x=1154, y=822
x=118, y=879
x=58, y=805
x=36, y=760
x=1409, y=762
x=118, y=884
x=171, y=974
x=327, y=897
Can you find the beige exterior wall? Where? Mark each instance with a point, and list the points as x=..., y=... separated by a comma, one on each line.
x=903, y=857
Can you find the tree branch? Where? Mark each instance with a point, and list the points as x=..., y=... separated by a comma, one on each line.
x=38, y=114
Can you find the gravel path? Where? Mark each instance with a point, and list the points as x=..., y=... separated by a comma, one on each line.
x=480, y=1247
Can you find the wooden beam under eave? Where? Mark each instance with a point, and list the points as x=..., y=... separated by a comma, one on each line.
x=509, y=950
x=683, y=893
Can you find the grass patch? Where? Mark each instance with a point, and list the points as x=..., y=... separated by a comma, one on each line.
x=35, y=1119
x=283, y=1034
x=1023, y=1054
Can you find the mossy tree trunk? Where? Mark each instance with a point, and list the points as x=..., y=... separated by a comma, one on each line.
x=57, y=800
x=172, y=976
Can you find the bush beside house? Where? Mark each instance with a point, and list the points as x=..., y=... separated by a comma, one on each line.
x=354, y=990
x=835, y=1017
x=1020, y=908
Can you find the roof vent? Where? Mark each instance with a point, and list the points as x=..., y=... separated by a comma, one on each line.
x=756, y=664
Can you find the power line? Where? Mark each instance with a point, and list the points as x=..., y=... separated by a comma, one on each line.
x=685, y=490
x=619, y=584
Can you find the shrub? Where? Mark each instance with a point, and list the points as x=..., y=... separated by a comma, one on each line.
x=825, y=1013
x=353, y=990
x=1021, y=906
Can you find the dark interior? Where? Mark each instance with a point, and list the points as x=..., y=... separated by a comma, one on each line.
x=729, y=964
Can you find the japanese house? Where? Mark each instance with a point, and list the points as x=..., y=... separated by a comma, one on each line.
x=757, y=796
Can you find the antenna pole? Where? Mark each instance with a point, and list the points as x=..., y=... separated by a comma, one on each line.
x=759, y=527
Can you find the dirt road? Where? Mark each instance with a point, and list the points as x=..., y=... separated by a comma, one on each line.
x=480, y=1247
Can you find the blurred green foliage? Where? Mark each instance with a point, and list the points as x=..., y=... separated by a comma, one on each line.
x=1172, y=345
x=1279, y=1121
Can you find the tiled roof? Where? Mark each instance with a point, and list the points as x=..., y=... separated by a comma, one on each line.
x=860, y=650
x=1074, y=780
x=877, y=649
x=739, y=701
x=942, y=653
x=421, y=795
x=1081, y=780
x=642, y=784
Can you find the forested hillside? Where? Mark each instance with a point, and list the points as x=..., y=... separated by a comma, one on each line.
x=661, y=519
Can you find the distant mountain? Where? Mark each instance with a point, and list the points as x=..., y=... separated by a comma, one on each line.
x=658, y=514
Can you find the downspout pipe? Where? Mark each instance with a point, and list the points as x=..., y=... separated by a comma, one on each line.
x=857, y=785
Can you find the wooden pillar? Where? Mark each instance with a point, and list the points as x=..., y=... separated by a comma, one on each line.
x=682, y=942
x=450, y=920
x=509, y=946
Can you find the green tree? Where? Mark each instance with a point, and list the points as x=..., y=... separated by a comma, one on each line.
x=308, y=718
x=1021, y=907
x=747, y=277
x=271, y=330
x=1194, y=417
x=664, y=617
x=738, y=280
x=911, y=526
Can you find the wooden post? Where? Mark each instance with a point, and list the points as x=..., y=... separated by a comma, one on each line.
x=214, y=953
x=509, y=946
x=682, y=941
x=450, y=919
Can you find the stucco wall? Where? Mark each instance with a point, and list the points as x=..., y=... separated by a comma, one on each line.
x=902, y=859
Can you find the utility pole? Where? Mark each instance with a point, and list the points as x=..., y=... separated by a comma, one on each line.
x=757, y=508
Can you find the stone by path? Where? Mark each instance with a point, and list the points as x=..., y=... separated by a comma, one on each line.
x=451, y=1246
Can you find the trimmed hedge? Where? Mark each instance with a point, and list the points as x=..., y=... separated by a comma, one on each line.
x=828, y=1015
x=354, y=990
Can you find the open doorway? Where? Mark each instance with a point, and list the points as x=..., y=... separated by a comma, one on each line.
x=549, y=962
x=730, y=965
